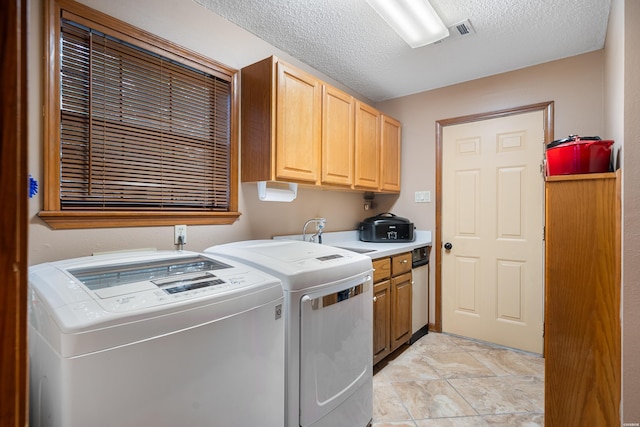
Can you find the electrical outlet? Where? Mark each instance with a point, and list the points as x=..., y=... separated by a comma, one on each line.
x=179, y=230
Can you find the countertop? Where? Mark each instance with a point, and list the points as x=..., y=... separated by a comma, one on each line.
x=349, y=240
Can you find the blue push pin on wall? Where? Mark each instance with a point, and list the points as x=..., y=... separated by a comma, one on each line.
x=33, y=186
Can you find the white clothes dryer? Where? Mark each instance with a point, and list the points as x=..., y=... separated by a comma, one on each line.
x=329, y=328
x=155, y=339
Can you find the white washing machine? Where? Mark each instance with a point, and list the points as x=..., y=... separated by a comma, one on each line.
x=329, y=328
x=155, y=339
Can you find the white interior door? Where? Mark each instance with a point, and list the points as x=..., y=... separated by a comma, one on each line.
x=492, y=216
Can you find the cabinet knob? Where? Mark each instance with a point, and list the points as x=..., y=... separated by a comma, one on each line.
x=375, y=299
x=448, y=246
x=404, y=261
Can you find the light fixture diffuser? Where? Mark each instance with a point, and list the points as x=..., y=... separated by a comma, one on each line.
x=414, y=20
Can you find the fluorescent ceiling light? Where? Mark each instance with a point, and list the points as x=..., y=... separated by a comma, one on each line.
x=414, y=20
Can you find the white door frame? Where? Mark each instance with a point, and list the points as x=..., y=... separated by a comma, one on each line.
x=546, y=107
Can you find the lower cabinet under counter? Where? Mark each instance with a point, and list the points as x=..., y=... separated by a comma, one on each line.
x=392, y=302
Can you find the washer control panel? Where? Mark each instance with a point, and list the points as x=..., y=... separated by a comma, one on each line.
x=131, y=286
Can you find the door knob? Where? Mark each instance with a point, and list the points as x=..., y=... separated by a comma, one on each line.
x=448, y=246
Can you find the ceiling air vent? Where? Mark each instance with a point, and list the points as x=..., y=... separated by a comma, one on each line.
x=459, y=30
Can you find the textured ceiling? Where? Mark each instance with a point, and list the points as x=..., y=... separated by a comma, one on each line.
x=348, y=41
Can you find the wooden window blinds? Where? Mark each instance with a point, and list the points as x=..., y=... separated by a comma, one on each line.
x=138, y=130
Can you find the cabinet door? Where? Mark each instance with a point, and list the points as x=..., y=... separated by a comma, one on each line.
x=367, y=153
x=298, y=116
x=381, y=321
x=400, y=310
x=338, y=123
x=390, y=155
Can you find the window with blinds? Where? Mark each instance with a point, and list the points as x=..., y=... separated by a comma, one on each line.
x=139, y=125
x=139, y=131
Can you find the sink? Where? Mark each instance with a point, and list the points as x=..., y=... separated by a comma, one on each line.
x=358, y=250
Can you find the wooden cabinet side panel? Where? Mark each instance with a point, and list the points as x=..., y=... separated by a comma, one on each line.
x=582, y=310
x=381, y=321
x=338, y=123
x=400, y=310
x=298, y=121
x=257, y=121
x=367, y=147
x=390, y=154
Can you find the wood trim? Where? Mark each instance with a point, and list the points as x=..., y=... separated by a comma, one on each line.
x=13, y=215
x=65, y=220
x=548, y=110
x=581, y=177
x=51, y=93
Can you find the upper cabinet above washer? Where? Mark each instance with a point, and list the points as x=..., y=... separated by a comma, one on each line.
x=338, y=119
x=281, y=116
x=296, y=128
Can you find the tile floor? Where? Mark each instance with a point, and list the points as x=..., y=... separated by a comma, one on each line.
x=448, y=381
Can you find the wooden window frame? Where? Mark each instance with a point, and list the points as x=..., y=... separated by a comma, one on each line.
x=52, y=213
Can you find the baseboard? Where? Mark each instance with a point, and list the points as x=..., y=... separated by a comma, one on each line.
x=419, y=334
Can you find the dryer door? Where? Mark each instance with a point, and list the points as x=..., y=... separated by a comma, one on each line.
x=335, y=347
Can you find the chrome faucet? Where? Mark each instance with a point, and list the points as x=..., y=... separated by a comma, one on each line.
x=320, y=224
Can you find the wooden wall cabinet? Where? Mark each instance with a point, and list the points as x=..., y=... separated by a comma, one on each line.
x=582, y=307
x=338, y=135
x=296, y=128
x=391, y=304
x=390, y=149
x=378, y=147
x=281, y=112
x=367, y=157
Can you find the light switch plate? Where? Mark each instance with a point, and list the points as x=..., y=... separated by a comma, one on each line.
x=423, y=196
